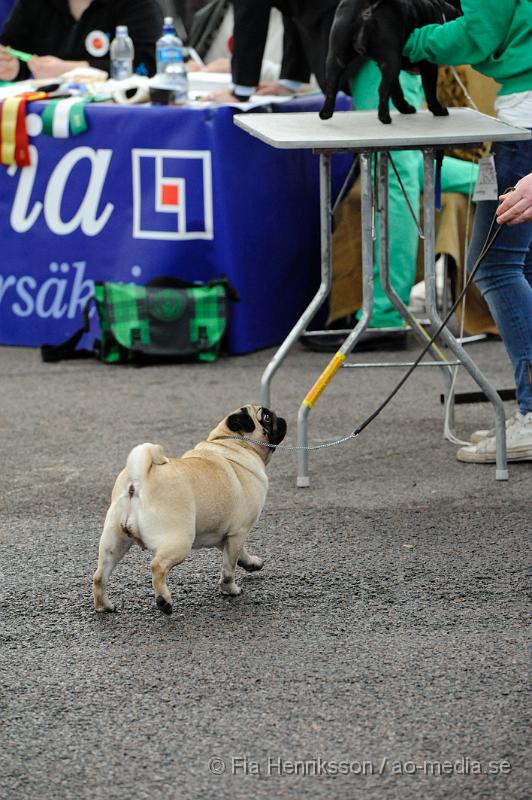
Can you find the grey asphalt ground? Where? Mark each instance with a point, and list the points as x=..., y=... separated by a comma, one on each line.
x=386, y=634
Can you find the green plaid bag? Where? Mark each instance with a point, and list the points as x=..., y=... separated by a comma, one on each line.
x=168, y=319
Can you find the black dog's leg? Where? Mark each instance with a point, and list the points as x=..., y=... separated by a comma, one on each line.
x=339, y=56
x=399, y=100
x=429, y=79
x=390, y=78
x=334, y=74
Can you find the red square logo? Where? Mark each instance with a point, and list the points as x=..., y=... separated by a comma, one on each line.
x=169, y=195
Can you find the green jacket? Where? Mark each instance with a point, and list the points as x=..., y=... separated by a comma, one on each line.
x=494, y=36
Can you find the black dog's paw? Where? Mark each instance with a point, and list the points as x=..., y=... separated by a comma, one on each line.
x=163, y=605
x=440, y=111
x=385, y=119
x=326, y=112
x=407, y=109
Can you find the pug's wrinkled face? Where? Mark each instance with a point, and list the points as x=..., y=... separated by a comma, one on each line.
x=259, y=423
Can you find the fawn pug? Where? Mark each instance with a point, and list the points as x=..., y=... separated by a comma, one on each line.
x=210, y=497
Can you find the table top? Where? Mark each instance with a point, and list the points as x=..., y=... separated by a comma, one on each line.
x=362, y=130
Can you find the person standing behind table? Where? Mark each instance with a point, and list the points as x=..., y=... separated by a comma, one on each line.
x=495, y=37
x=307, y=26
x=65, y=34
x=386, y=327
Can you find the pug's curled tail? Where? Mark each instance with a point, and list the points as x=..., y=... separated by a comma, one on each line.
x=139, y=462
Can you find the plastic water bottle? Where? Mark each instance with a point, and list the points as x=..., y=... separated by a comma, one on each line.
x=171, y=70
x=122, y=54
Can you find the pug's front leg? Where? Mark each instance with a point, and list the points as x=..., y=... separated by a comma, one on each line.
x=231, y=551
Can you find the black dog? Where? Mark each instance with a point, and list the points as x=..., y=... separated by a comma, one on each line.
x=378, y=29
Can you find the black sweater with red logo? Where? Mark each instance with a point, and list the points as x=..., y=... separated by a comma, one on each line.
x=47, y=28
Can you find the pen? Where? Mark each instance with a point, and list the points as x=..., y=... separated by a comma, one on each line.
x=18, y=54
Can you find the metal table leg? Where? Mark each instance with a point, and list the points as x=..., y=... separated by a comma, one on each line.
x=501, y=472
x=336, y=362
x=323, y=290
x=384, y=271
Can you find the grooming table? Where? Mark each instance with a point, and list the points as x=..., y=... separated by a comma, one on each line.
x=361, y=132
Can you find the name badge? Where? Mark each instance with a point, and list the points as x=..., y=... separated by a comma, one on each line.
x=486, y=185
x=97, y=44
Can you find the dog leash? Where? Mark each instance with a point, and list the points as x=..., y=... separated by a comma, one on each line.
x=357, y=431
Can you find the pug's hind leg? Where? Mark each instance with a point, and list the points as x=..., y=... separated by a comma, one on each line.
x=162, y=563
x=231, y=551
x=114, y=544
x=249, y=562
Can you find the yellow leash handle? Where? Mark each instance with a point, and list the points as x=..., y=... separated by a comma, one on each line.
x=326, y=376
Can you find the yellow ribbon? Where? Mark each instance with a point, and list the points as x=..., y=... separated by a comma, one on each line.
x=9, y=129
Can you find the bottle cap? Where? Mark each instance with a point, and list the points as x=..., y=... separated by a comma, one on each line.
x=168, y=21
x=121, y=30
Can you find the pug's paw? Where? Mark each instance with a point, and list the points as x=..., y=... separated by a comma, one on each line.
x=163, y=605
x=109, y=608
x=253, y=564
x=229, y=588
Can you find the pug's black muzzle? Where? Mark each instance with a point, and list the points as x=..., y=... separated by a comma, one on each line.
x=274, y=426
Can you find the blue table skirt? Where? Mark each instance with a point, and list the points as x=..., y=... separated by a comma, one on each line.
x=152, y=191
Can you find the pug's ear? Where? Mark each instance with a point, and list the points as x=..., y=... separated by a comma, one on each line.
x=281, y=430
x=241, y=421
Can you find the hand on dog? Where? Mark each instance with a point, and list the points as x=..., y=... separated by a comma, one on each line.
x=379, y=31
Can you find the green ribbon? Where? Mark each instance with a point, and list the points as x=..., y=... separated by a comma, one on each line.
x=48, y=117
x=77, y=120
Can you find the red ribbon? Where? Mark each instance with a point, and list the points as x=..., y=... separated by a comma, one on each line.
x=14, y=141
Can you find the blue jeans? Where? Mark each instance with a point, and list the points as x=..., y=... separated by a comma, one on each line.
x=505, y=274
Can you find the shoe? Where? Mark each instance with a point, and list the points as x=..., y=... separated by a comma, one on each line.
x=371, y=339
x=518, y=443
x=477, y=436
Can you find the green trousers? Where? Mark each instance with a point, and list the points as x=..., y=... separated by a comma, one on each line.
x=456, y=176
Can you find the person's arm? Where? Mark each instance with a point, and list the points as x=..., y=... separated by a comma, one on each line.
x=52, y=67
x=20, y=31
x=469, y=39
x=516, y=206
x=17, y=32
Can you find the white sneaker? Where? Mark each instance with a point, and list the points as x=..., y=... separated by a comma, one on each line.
x=518, y=443
x=477, y=436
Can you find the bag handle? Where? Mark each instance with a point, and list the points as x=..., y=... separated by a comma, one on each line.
x=67, y=349
x=171, y=282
